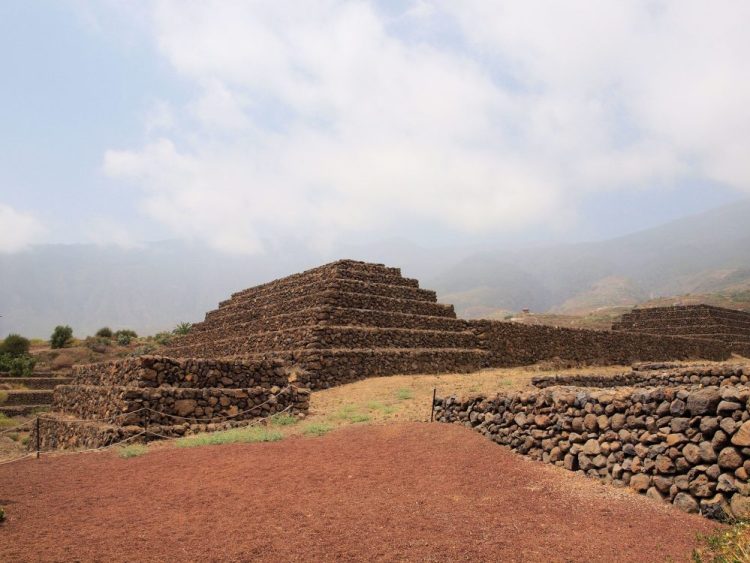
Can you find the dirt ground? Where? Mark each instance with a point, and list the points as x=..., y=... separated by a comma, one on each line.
x=409, y=491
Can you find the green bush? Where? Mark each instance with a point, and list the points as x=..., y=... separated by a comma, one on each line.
x=104, y=332
x=163, y=338
x=61, y=337
x=182, y=329
x=15, y=345
x=125, y=336
x=21, y=366
x=144, y=350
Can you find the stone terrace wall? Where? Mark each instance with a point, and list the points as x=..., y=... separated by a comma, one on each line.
x=690, y=447
x=167, y=403
x=156, y=371
x=169, y=397
x=715, y=375
x=513, y=344
x=320, y=369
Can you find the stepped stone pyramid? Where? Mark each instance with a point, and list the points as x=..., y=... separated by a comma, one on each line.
x=691, y=321
x=342, y=321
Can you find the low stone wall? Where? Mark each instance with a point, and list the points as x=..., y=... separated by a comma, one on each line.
x=693, y=375
x=687, y=446
x=514, y=344
x=320, y=369
x=157, y=371
x=124, y=405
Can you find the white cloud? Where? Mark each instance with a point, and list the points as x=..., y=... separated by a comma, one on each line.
x=325, y=119
x=17, y=229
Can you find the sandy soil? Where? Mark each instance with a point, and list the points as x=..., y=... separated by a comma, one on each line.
x=418, y=492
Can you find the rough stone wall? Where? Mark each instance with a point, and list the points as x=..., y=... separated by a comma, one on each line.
x=698, y=321
x=165, y=404
x=687, y=446
x=693, y=375
x=513, y=344
x=158, y=371
x=169, y=397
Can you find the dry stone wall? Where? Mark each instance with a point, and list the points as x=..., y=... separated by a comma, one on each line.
x=694, y=321
x=157, y=396
x=689, y=446
x=513, y=344
x=679, y=376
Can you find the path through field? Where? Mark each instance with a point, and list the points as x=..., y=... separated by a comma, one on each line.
x=427, y=492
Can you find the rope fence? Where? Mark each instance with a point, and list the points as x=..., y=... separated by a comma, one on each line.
x=145, y=433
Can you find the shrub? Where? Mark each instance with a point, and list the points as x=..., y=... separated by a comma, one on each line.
x=104, y=332
x=61, y=337
x=20, y=366
x=124, y=336
x=182, y=329
x=144, y=350
x=123, y=339
x=6, y=422
x=15, y=345
x=2, y=514
x=163, y=338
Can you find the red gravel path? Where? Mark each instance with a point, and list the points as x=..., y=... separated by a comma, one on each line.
x=408, y=492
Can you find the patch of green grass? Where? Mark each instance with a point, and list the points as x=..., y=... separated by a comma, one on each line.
x=404, y=394
x=6, y=421
x=317, y=429
x=133, y=450
x=233, y=436
x=727, y=546
x=380, y=407
x=349, y=413
x=284, y=420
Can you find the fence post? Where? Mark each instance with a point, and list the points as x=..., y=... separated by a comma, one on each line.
x=145, y=426
x=38, y=438
x=432, y=407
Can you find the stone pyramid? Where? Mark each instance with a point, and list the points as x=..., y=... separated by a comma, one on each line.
x=691, y=321
x=342, y=321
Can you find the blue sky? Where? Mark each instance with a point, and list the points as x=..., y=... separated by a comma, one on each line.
x=234, y=122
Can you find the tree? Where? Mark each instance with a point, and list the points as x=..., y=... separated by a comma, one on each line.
x=61, y=336
x=15, y=346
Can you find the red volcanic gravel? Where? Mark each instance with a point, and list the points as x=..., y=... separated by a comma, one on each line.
x=418, y=492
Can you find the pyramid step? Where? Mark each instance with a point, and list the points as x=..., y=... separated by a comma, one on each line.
x=347, y=269
x=37, y=382
x=320, y=315
x=22, y=410
x=15, y=397
x=329, y=337
x=335, y=284
x=244, y=313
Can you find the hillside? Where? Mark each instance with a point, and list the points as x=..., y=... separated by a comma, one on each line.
x=155, y=286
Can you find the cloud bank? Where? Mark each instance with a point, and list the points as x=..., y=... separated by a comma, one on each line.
x=17, y=229
x=324, y=118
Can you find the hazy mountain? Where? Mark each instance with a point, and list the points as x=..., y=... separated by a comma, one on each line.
x=704, y=253
x=153, y=287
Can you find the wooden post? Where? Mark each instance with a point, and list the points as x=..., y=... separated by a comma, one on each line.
x=38, y=438
x=432, y=408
